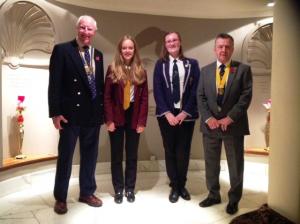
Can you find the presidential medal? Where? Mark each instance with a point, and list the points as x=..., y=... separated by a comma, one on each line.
x=88, y=69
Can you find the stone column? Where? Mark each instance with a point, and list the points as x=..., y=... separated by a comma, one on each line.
x=284, y=163
x=1, y=134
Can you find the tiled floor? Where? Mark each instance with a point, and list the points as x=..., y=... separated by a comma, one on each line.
x=34, y=204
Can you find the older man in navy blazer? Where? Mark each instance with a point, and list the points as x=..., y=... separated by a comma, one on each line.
x=224, y=95
x=75, y=97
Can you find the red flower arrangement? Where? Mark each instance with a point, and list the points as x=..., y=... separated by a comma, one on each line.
x=20, y=109
x=20, y=120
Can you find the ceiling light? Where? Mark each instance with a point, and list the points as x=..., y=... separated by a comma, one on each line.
x=271, y=4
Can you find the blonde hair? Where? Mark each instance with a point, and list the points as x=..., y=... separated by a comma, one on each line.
x=136, y=73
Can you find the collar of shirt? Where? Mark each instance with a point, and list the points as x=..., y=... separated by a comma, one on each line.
x=81, y=45
x=227, y=64
x=172, y=59
x=178, y=62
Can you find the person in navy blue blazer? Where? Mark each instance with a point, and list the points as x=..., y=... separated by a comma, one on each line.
x=75, y=98
x=175, y=83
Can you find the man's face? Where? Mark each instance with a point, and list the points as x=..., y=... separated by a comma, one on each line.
x=223, y=49
x=86, y=30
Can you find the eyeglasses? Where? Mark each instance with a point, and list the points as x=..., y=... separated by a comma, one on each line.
x=86, y=28
x=171, y=41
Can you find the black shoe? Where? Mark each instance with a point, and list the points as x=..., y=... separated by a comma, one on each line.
x=185, y=194
x=174, y=195
x=130, y=196
x=232, y=208
x=119, y=197
x=209, y=202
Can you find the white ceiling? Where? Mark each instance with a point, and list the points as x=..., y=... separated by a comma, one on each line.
x=182, y=8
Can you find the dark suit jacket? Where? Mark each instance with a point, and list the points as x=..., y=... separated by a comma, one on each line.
x=69, y=93
x=236, y=100
x=113, y=102
x=162, y=88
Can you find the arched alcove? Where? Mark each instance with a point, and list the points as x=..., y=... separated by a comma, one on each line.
x=257, y=52
x=26, y=41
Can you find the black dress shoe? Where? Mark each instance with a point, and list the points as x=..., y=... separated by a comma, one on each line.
x=209, y=202
x=185, y=194
x=130, y=196
x=119, y=197
x=60, y=207
x=232, y=208
x=174, y=195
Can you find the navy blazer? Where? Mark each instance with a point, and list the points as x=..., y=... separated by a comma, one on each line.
x=236, y=100
x=162, y=88
x=68, y=92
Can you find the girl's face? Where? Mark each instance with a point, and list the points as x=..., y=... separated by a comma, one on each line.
x=127, y=51
x=172, y=44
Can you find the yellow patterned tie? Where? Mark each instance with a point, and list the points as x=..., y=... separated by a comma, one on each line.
x=126, y=102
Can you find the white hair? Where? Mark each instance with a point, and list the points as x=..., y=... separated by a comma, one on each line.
x=86, y=17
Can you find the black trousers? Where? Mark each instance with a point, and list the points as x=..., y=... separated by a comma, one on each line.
x=234, y=148
x=88, y=140
x=177, y=144
x=131, y=138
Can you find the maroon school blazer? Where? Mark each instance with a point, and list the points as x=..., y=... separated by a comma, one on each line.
x=113, y=102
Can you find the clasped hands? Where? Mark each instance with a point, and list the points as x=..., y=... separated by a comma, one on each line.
x=110, y=126
x=174, y=120
x=223, y=123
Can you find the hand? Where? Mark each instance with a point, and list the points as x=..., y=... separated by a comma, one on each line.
x=225, y=122
x=56, y=121
x=181, y=117
x=140, y=129
x=212, y=123
x=171, y=119
x=110, y=126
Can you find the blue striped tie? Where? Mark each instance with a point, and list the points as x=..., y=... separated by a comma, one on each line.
x=91, y=77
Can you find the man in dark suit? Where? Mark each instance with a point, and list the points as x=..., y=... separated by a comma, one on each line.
x=75, y=98
x=224, y=95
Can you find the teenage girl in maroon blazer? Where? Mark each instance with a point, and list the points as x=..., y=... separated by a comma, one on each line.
x=125, y=112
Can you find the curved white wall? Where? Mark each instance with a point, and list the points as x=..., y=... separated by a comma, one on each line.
x=198, y=40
